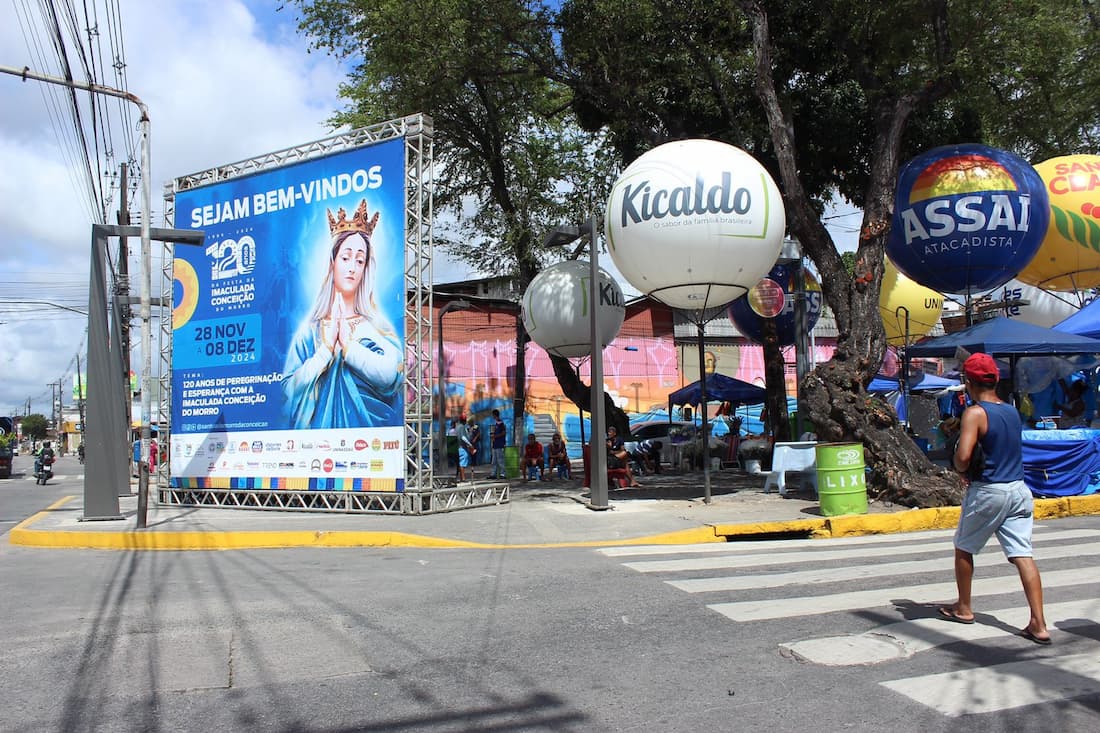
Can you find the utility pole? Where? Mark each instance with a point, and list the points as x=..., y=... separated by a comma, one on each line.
x=124, y=292
x=80, y=398
x=146, y=264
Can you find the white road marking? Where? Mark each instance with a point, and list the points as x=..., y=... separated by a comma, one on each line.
x=733, y=547
x=760, y=610
x=1003, y=686
x=856, y=572
x=904, y=639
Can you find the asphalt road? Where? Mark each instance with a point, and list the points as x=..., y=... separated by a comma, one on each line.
x=778, y=636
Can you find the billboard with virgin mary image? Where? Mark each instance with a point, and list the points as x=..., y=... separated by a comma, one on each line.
x=288, y=327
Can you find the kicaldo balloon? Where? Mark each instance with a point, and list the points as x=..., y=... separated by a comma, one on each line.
x=773, y=298
x=967, y=218
x=1069, y=256
x=555, y=309
x=909, y=310
x=694, y=223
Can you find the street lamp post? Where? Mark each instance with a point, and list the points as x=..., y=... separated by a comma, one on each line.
x=904, y=363
x=597, y=455
x=146, y=264
x=441, y=452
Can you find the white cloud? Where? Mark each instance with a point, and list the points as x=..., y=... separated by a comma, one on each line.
x=221, y=85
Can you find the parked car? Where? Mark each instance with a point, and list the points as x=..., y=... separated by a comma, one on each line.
x=677, y=431
x=6, y=455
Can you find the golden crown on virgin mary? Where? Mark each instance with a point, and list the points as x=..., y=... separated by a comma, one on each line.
x=357, y=223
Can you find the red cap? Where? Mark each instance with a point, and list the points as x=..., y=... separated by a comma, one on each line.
x=981, y=368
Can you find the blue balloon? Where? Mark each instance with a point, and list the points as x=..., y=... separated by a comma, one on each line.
x=751, y=324
x=967, y=218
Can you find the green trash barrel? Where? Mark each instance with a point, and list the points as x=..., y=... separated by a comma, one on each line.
x=841, y=481
x=511, y=461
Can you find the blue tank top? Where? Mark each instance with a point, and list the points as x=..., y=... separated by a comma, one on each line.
x=1002, y=443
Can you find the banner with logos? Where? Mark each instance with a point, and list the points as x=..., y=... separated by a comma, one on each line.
x=288, y=327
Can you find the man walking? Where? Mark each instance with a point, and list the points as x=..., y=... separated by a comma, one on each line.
x=497, y=438
x=997, y=501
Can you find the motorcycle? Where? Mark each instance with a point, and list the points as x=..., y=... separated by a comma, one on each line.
x=43, y=470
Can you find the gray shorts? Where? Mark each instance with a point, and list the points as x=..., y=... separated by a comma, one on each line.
x=1004, y=509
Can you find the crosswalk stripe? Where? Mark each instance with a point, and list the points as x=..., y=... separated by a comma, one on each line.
x=759, y=610
x=942, y=562
x=719, y=547
x=904, y=639
x=816, y=554
x=1003, y=686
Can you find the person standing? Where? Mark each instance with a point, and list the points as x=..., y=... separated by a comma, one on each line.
x=465, y=448
x=474, y=431
x=497, y=438
x=997, y=501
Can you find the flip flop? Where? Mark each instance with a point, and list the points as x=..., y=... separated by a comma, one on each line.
x=949, y=613
x=1026, y=633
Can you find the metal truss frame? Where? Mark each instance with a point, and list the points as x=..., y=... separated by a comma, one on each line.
x=343, y=502
x=421, y=494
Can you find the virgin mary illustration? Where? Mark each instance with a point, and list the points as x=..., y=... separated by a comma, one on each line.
x=345, y=365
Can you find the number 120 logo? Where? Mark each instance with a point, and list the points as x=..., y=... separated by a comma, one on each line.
x=232, y=257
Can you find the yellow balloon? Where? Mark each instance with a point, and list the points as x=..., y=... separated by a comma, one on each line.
x=1069, y=257
x=900, y=294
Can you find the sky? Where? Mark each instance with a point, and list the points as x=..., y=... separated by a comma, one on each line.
x=223, y=80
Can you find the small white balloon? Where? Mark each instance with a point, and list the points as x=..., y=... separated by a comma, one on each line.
x=695, y=223
x=555, y=309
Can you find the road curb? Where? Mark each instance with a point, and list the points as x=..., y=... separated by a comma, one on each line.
x=913, y=520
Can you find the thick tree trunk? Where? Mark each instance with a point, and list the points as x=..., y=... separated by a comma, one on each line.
x=580, y=393
x=775, y=382
x=834, y=393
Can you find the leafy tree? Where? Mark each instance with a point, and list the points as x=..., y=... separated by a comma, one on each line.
x=831, y=95
x=35, y=426
x=508, y=164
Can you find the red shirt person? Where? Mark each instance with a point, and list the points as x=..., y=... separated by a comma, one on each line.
x=533, y=457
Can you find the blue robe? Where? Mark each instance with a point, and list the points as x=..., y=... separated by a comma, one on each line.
x=352, y=388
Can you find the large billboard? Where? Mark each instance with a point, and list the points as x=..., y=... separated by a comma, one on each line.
x=288, y=328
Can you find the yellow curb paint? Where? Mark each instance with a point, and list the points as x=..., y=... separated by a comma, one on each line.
x=259, y=540
x=913, y=520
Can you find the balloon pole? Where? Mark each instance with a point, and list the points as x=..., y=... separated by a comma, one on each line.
x=705, y=445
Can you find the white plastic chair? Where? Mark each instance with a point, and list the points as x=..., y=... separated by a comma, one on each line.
x=800, y=457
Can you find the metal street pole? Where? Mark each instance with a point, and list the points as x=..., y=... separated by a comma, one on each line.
x=441, y=451
x=146, y=265
x=597, y=454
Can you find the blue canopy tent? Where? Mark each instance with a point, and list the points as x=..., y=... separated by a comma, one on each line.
x=1085, y=322
x=1059, y=464
x=1006, y=337
x=917, y=383
x=720, y=388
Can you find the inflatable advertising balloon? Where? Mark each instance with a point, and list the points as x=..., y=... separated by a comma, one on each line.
x=555, y=309
x=694, y=223
x=900, y=298
x=967, y=218
x=1022, y=302
x=773, y=297
x=1069, y=257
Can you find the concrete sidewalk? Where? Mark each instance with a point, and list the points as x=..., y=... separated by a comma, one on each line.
x=668, y=509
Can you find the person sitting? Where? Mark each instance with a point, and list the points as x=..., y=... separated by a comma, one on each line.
x=617, y=457
x=559, y=457
x=532, y=458
x=1073, y=409
x=44, y=457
